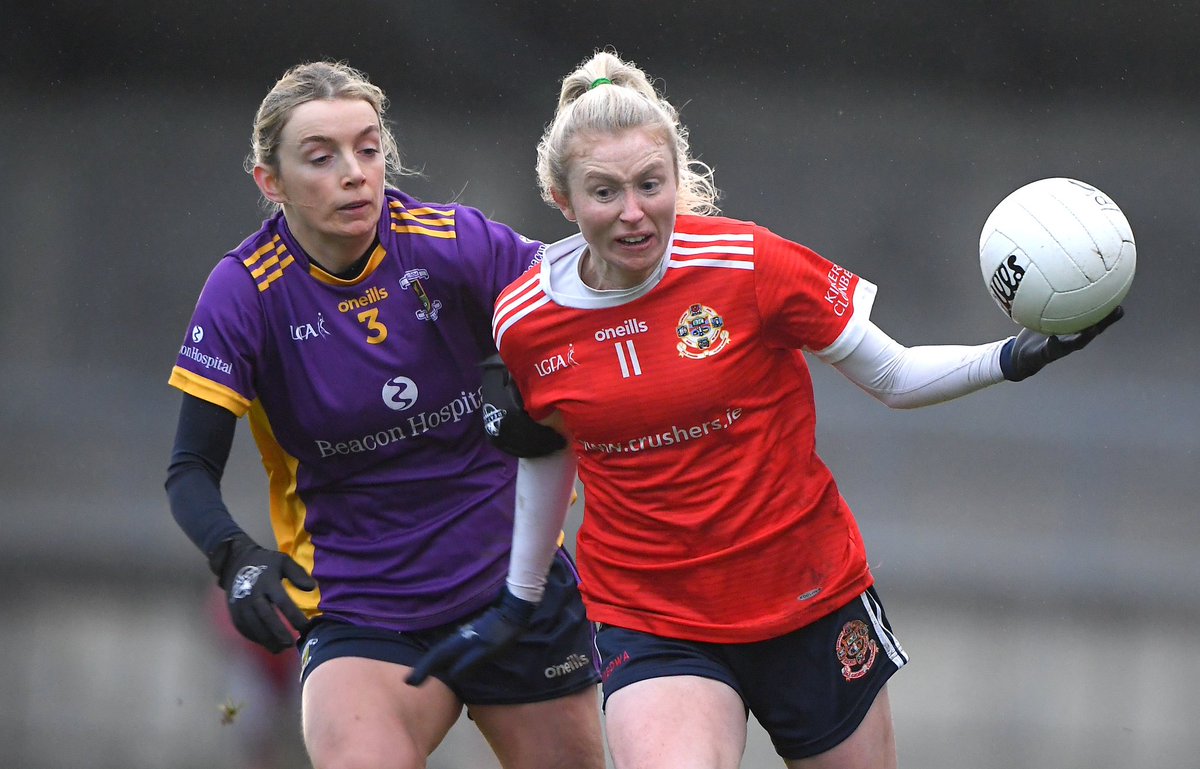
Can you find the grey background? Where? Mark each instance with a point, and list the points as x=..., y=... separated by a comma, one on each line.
x=1035, y=543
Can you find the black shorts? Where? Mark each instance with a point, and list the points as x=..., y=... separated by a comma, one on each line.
x=810, y=689
x=556, y=657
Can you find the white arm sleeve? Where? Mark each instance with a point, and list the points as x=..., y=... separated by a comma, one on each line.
x=908, y=377
x=544, y=486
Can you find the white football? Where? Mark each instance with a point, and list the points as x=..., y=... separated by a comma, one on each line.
x=1057, y=255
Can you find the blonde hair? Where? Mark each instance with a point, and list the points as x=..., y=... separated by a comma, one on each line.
x=623, y=98
x=314, y=81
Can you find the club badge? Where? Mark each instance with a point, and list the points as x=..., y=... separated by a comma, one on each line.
x=701, y=332
x=856, y=649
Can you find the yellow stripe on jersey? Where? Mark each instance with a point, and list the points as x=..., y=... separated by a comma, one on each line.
x=424, y=231
x=412, y=216
x=430, y=222
x=208, y=390
x=271, y=269
x=288, y=511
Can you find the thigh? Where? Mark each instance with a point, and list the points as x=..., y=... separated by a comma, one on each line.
x=676, y=721
x=871, y=746
x=359, y=712
x=811, y=689
x=562, y=733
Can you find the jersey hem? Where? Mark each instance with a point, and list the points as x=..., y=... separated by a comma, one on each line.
x=750, y=632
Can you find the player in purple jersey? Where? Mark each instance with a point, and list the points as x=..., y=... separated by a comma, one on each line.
x=350, y=328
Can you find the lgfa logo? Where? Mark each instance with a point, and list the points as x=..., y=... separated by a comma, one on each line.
x=556, y=362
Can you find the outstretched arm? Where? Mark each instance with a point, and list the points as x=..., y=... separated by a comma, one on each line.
x=910, y=377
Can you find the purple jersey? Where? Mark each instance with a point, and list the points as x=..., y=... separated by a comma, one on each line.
x=364, y=400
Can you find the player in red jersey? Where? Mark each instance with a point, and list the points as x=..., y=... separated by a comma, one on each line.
x=666, y=343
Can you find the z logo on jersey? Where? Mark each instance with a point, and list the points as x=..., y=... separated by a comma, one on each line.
x=399, y=393
x=701, y=331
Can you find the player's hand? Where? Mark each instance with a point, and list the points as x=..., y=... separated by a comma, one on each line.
x=491, y=632
x=252, y=578
x=1029, y=351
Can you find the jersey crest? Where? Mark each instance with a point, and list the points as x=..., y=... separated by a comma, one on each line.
x=701, y=331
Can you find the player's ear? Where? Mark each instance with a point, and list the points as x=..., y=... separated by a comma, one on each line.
x=564, y=204
x=269, y=184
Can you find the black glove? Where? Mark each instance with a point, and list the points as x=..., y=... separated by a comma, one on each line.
x=252, y=577
x=488, y=634
x=1026, y=354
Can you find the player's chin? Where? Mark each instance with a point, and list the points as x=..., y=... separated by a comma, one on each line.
x=357, y=227
x=640, y=256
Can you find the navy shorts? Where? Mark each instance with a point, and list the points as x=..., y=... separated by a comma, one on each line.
x=556, y=657
x=810, y=689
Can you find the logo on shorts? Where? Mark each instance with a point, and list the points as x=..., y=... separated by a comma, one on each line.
x=856, y=649
x=306, y=654
x=572, y=663
x=617, y=661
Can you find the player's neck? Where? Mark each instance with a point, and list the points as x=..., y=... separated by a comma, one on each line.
x=351, y=269
x=598, y=275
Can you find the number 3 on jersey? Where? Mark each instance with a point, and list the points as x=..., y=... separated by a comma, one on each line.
x=376, y=331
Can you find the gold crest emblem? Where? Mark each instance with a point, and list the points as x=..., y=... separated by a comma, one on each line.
x=701, y=332
x=856, y=649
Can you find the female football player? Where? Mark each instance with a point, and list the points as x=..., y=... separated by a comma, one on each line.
x=350, y=328
x=724, y=568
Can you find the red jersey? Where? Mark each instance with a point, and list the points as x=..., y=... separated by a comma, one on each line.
x=708, y=514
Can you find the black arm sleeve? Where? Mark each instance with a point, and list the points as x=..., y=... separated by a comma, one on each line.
x=202, y=443
x=508, y=426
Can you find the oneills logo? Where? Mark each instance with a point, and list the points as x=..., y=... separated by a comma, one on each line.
x=373, y=294
x=701, y=331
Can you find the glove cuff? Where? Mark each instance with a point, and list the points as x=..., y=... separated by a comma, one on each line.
x=516, y=610
x=1006, y=361
x=227, y=554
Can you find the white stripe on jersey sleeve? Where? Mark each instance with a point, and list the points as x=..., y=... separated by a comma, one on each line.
x=744, y=237
x=532, y=299
x=510, y=298
x=733, y=264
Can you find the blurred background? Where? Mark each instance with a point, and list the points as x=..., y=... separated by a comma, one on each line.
x=1035, y=544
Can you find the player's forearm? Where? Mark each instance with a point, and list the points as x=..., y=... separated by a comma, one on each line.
x=544, y=486
x=909, y=377
x=196, y=505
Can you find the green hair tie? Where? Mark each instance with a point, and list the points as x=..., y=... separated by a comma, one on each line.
x=600, y=81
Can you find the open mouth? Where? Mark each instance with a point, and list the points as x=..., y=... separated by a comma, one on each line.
x=634, y=241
